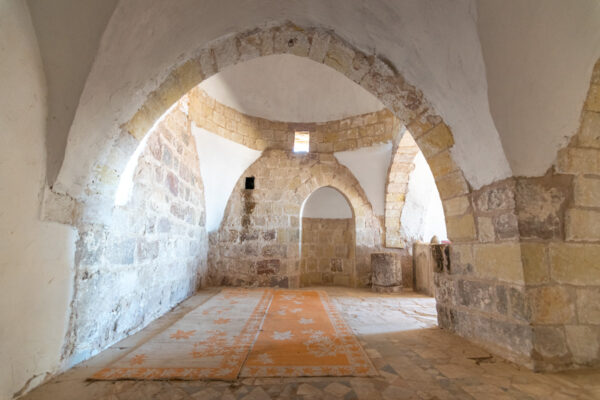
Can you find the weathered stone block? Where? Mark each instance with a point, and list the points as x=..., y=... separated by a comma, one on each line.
x=456, y=206
x=319, y=45
x=461, y=228
x=536, y=267
x=498, y=261
x=552, y=305
x=582, y=224
x=226, y=53
x=475, y=294
x=587, y=191
x=549, y=342
x=436, y=140
x=540, y=205
x=579, y=161
x=506, y=226
x=592, y=102
x=264, y=267
x=452, y=185
x=588, y=305
x=485, y=229
x=589, y=133
x=583, y=343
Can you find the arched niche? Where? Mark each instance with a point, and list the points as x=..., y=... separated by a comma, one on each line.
x=327, y=239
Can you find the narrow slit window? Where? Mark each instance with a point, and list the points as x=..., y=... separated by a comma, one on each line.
x=301, y=140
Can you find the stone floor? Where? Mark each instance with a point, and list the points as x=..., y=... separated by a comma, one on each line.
x=416, y=360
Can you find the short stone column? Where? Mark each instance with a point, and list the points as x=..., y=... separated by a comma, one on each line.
x=387, y=272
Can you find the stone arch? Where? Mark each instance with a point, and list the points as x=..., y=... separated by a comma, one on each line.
x=375, y=74
x=327, y=247
x=476, y=242
x=402, y=164
x=264, y=225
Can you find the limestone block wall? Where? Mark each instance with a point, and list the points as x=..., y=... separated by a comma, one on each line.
x=153, y=253
x=397, y=184
x=258, y=242
x=260, y=134
x=533, y=274
x=327, y=252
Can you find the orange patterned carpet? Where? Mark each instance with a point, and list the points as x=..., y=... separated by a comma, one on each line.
x=304, y=335
x=210, y=342
x=258, y=333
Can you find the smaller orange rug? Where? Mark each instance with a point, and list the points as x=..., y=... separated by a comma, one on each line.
x=304, y=335
x=210, y=342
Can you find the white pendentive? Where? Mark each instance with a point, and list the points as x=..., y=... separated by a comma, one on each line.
x=370, y=166
x=423, y=213
x=222, y=162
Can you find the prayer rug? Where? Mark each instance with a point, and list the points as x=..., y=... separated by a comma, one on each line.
x=210, y=342
x=304, y=335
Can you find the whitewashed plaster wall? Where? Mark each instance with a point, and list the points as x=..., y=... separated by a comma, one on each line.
x=289, y=88
x=222, y=162
x=535, y=56
x=423, y=213
x=326, y=202
x=370, y=166
x=434, y=44
x=36, y=265
x=538, y=59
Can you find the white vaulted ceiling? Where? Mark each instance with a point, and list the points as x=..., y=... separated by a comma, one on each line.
x=289, y=88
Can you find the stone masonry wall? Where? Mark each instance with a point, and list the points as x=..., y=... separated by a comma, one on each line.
x=536, y=259
x=258, y=242
x=327, y=252
x=402, y=164
x=152, y=255
x=260, y=134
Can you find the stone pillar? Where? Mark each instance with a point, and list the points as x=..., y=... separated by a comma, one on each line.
x=387, y=272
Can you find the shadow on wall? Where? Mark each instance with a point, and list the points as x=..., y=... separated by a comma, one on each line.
x=328, y=240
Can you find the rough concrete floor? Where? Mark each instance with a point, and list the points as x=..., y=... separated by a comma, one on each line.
x=416, y=360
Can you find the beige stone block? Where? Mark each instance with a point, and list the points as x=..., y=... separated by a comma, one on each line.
x=587, y=192
x=575, y=264
x=551, y=305
x=593, y=100
x=498, y=261
x=141, y=122
x=319, y=45
x=485, y=228
x=574, y=160
x=588, y=305
x=536, y=268
x=422, y=124
x=583, y=343
x=452, y=185
x=339, y=56
x=456, y=206
x=226, y=53
x=582, y=224
x=293, y=40
x=442, y=164
x=589, y=134
x=437, y=139
x=189, y=74
x=462, y=253
x=461, y=228
x=208, y=65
